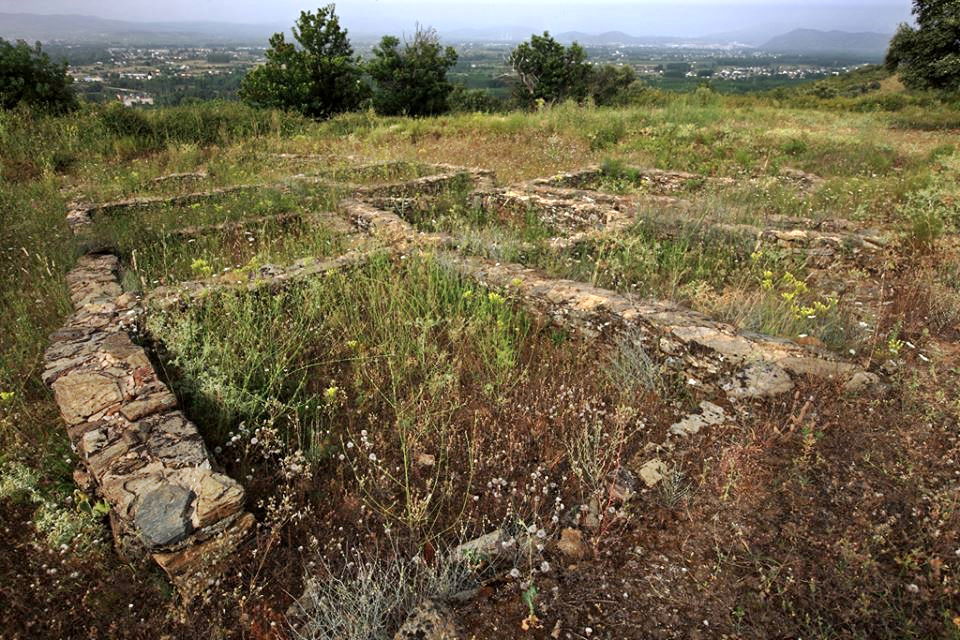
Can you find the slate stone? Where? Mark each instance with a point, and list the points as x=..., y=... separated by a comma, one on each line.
x=431, y=620
x=84, y=393
x=162, y=515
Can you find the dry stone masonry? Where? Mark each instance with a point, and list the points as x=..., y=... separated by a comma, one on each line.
x=148, y=461
x=714, y=356
x=652, y=180
x=181, y=177
x=81, y=216
x=583, y=215
x=145, y=457
x=264, y=278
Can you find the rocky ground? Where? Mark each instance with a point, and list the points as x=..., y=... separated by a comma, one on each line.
x=411, y=399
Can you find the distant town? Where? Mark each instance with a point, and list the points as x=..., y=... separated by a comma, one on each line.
x=168, y=75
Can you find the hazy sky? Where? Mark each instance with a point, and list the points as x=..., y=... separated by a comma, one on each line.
x=638, y=17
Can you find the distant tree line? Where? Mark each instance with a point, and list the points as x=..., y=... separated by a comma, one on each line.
x=320, y=75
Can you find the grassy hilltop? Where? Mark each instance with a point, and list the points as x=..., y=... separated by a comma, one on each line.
x=381, y=415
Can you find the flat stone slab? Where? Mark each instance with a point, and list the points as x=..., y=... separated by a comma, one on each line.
x=162, y=515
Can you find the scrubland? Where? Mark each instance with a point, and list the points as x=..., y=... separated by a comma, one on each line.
x=381, y=415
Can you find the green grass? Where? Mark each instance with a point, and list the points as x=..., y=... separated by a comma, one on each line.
x=399, y=342
x=146, y=239
x=451, y=388
x=453, y=211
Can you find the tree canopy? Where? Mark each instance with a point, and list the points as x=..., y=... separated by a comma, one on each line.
x=320, y=78
x=548, y=71
x=609, y=83
x=928, y=56
x=28, y=76
x=413, y=80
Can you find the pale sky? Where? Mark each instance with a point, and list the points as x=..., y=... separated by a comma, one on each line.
x=637, y=17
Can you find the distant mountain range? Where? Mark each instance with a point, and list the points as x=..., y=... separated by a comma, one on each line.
x=91, y=30
x=811, y=41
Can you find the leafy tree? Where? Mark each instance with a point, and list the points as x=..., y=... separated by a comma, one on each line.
x=320, y=78
x=928, y=57
x=608, y=83
x=548, y=71
x=412, y=81
x=28, y=76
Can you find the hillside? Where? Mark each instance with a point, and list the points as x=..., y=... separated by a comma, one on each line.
x=683, y=368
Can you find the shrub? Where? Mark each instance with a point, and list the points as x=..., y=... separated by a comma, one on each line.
x=413, y=81
x=125, y=121
x=549, y=72
x=608, y=134
x=794, y=147
x=28, y=76
x=319, y=79
x=926, y=215
x=617, y=170
x=463, y=100
x=370, y=598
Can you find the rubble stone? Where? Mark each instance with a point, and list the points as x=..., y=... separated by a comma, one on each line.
x=431, y=620
x=653, y=472
x=141, y=454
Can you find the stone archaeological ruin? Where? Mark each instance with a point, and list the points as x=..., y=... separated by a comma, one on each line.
x=148, y=461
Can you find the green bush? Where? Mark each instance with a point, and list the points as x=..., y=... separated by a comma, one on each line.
x=28, y=76
x=926, y=215
x=463, y=100
x=608, y=134
x=412, y=81
x=124, y=121
x=615, y=169
x=794, y=147
x=320, y=78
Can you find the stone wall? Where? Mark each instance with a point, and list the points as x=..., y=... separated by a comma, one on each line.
x=267, y=277
x=80, y=216
x=714, y=356
x=145, y=458
x=148, y=461
x=583, y=215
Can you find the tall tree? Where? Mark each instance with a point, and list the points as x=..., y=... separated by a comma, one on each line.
x=28, y=76
x=609, y=83
x=928, y=56
x=548, y=71
x=412, y=81
x=320, y=78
